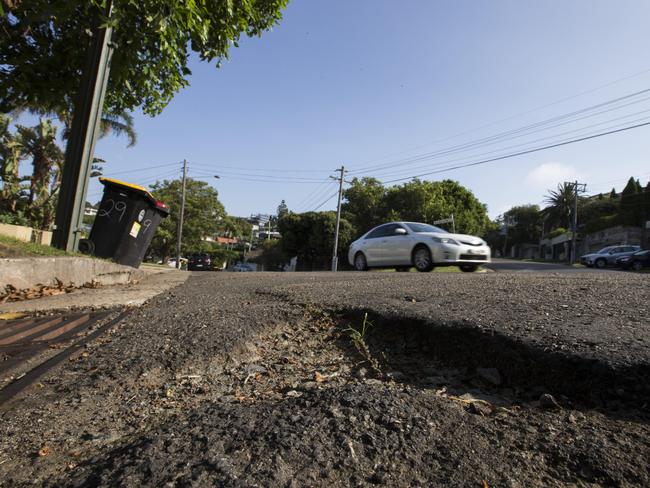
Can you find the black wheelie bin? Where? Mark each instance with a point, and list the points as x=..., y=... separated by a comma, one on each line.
x=126, y=222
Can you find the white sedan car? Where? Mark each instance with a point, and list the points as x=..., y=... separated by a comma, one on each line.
x=405, y=244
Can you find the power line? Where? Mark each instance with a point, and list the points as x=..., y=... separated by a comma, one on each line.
x=316, y=193
x=518, y=132
x=220, y=167
x=524, y=144
x=316, y=198
x=328, y=199
x=521, y=114
x=521, y=153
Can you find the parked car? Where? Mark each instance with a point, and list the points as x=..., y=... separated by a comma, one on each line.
x=607, y=256
x=636, y=261
x=199, y=262
x=241, y=268
x=403, y=245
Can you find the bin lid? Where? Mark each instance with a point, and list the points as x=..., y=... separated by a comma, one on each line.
x=141, y=190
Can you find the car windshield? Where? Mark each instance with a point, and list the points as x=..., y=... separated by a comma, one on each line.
x=424, y=228
x=605, y=250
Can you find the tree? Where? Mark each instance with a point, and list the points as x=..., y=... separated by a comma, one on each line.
x=310, y=236
x=363, y=206
x=44, y=47
x=11, y=154
x=426, y=201
x=560, y=205
x=368, y=204
x=631, y=209
x=282, y=209
x=202, y=213
x=525, y=224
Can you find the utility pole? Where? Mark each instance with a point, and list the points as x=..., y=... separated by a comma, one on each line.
x=577, y=188
x=179, y=234
x=335, y=257
x=84, y=133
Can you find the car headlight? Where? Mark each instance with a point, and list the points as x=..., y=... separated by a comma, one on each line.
x=445, y=240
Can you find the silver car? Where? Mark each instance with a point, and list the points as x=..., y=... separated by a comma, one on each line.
x=405, y=244
x=607, y=256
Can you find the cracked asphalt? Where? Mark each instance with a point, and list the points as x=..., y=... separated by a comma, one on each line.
x=251, y=379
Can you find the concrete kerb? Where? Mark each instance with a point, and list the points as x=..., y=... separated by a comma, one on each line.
x=30, y=272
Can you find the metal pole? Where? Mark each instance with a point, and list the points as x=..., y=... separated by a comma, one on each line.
x=575, y=222
x=84, y=133
x=179, y=234
x=453, y=224
x=335, y=257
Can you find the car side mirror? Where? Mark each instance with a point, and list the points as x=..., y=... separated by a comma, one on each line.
x=399, y=232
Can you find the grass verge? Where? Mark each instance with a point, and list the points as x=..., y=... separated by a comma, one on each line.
x=13, y=248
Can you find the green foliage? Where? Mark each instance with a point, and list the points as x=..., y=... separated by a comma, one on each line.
x=310, y=236
x=524, y=226
x=44, y=47
x=272, y=256
x=358, y=336
x=368, y=204
x=282, y=209
x=560, y=205
x=37, y=201
x=202, y=213
x=364, y=203
x=234, y=227
x=632, y=204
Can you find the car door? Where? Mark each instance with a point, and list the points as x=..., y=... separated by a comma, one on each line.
x=373, y=246
x=396, y=247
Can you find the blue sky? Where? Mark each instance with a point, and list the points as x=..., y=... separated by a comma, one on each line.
x=372, y=82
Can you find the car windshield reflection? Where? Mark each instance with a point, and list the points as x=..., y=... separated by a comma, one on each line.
x=419, y=228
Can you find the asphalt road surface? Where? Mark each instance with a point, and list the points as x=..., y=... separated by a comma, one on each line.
x=351, y=379
x=520, y=266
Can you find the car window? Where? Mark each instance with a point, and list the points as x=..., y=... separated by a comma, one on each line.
x=378, y=232
x=605, y=250
x=415, y=227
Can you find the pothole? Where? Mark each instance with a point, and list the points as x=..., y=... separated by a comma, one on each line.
x=482, y=370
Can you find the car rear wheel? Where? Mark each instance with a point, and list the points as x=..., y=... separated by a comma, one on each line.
x=422, y=259
x=600, y=263
x=637, y=265
x=360, y=263
x=468, y=268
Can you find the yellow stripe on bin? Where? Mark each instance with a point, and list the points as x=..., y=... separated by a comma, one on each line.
x=123, y=183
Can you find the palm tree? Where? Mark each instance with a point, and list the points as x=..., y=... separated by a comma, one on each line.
x=11, y=154
x=40, y=144
x=560, y=205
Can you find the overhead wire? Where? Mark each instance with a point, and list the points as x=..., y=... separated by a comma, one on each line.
x=315, y=197
x=514, y=133
x=581, y=131
x=521, y=114
x=324, y=202
x=521, y=153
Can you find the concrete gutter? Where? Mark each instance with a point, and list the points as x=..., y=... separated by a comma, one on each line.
x=29, y=272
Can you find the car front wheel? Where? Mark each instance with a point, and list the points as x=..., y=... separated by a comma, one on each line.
x=360, y=263
x=600, y=263
x=422, y=259
x=637, y=265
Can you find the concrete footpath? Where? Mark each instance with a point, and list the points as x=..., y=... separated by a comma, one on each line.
x=143, y=284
